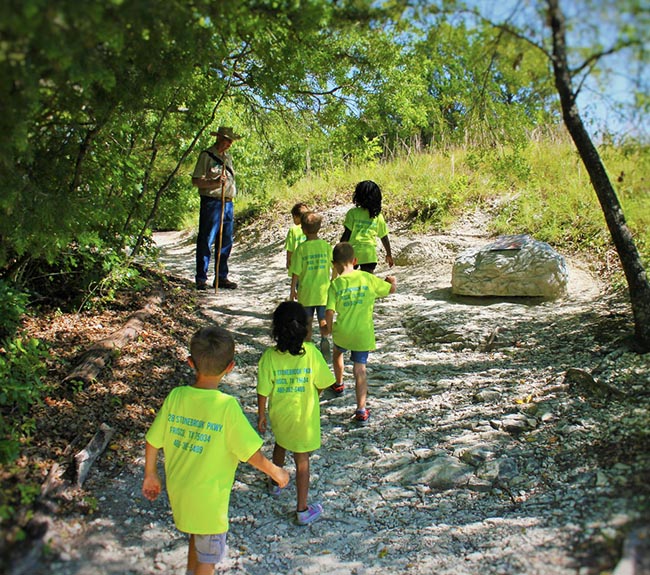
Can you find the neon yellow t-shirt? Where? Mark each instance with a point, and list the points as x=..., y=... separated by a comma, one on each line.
x=365, y=232
x=204, y=434
x=312, y=263
x=294, y=238
x=291, y=382
x=352, y=296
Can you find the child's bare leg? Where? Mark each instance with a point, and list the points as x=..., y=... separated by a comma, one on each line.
x=302, y=479
x=192, y=559
x=204, y=569
x=337, y=364
x=279, y=455
x=360, y=384
x=322, y=326
x=193, y=565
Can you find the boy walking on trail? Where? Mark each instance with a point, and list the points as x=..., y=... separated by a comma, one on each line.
x=295, y=235
x=204, y=434
x=311, y=271
x=352, y=297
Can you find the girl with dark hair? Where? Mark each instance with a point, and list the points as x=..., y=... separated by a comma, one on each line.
x=364, y=224
x=291, y=375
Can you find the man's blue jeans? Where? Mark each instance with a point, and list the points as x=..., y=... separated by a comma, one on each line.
x=209, y=219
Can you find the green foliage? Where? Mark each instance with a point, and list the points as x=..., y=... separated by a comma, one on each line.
x=22, y=366
x=627, y=165
x=21, y=369
x=556, y=202
x=254, y=206
x=13, y=304
x=85, y=273
x=541, y=189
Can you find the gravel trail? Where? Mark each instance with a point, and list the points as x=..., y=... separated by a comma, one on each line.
x=489, y=452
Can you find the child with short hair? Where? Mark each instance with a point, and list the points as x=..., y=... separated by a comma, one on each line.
x=295, y=235
x=204, y=434
x=352, y=297
x=291, y=376
x=311, y=271
x=364, y=224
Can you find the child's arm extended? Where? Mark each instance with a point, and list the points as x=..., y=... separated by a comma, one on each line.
x=151, y=486
x=279, y=475
x=389, y=256
x=393, y=283
x=261, y=413
x=293, y=296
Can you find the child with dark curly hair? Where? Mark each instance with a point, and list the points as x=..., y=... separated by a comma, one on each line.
x=364, y=224
x=292, y=375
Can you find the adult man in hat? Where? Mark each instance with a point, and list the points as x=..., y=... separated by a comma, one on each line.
x=214, y=177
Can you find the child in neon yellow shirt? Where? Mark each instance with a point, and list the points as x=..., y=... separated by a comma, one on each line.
x=364, y=224
x=311, y=269
x=291, y=376
x=204, y=435
x=352, y=297
x=295, y=235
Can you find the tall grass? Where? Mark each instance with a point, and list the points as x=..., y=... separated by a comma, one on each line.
x=557, y=203
x=541, y=189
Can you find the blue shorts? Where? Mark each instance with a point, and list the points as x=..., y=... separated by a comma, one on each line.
x=320, y=312
x=211, y=549
x=356, y=356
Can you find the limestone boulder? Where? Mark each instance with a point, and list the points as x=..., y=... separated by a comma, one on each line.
x=511, y=266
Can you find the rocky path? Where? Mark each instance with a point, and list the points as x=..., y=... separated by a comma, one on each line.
x=486, y=454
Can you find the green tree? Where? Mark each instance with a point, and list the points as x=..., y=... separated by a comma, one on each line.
x=637, y=278
x=107, y=101
x=609, y=29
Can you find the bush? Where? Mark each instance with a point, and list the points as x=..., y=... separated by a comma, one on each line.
x=22, y=365
x=13, y=304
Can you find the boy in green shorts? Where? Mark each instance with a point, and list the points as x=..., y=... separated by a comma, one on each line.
x=352, y=296
x=295, y=235
x=204, y=434
x=311, y=271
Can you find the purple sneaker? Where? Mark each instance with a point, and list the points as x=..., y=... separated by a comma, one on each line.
x=310, y=514
x=275, y=489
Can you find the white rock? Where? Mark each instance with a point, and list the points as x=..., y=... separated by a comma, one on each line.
x=511, y=266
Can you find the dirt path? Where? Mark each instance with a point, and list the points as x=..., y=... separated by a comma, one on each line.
x=480, y=459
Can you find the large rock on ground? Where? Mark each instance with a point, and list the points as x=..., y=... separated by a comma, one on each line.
x=511, y=266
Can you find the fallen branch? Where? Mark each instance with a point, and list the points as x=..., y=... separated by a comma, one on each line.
x=87, y=456
x=53, y=481
x=99, y=354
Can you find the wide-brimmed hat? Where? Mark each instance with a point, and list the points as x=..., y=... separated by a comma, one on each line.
x=227, y=133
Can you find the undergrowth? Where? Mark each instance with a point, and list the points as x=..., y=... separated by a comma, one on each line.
x=541, y=189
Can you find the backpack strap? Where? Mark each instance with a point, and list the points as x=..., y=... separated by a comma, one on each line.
x=219, y=161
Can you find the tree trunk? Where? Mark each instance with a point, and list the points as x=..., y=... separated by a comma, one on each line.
x=635, y=274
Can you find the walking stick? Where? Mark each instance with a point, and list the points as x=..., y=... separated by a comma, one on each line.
x=217, y=260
